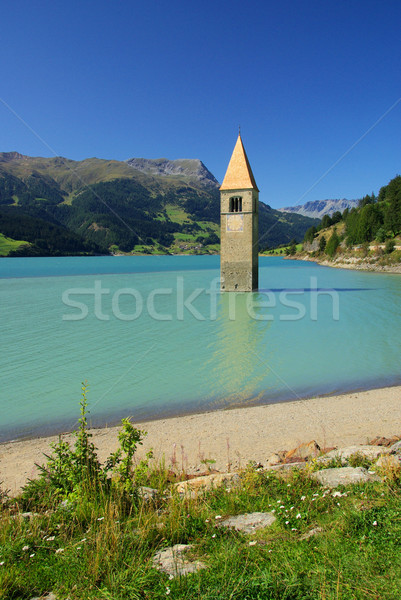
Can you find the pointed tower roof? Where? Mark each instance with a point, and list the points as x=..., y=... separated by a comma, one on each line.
x=239, y=174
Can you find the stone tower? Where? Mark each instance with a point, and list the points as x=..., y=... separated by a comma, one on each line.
x=239, y=225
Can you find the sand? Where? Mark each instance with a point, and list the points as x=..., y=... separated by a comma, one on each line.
x=234, y=436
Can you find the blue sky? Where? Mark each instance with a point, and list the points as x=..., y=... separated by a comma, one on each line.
x=304, y=79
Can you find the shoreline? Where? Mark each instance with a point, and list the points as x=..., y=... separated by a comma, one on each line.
x=232, y=437
x=352, y=264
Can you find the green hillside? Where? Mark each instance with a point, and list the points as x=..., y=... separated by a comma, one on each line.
x=8, y=245
x=102, y=206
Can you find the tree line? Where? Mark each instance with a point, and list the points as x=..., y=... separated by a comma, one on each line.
x=377, y=218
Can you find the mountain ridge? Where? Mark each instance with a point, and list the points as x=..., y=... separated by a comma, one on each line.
x=191, y=168
x=139, y=205
x=318, y=208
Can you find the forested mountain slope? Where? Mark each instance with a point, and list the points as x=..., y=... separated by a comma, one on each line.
x=139, y=205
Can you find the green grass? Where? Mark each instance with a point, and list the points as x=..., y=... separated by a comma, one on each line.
x=7, y=245
x=99, y=543
x=176, y=214
x=103, y=548
x=281, y=251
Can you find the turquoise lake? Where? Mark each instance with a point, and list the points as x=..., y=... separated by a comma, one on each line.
x=152, y=337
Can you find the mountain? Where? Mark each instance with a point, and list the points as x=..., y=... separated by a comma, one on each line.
x=189, y=170
x=62, y=206
x=318, y=208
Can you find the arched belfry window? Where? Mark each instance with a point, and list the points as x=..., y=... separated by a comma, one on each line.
x=235, y=204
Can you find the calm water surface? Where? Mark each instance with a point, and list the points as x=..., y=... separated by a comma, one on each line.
x=156, y=339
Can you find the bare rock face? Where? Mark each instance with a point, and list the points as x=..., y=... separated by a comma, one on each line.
x=304, y=451
x=250, y=522
x=332, y=478
x=186, y=168
x=173, y=562
x=319, y=208
x=369, y=452
x=193, y=487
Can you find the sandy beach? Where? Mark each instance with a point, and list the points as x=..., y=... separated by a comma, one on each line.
x=234, y=436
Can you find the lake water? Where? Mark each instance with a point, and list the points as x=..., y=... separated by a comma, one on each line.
x=153, y=337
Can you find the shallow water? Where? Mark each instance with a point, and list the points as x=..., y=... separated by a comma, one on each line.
x=158, y=340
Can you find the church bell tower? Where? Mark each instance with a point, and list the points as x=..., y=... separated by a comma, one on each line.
x=239, y=235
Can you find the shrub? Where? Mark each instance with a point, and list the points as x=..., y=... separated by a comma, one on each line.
x=390, y=246
x=73, y=473
x=332, y=244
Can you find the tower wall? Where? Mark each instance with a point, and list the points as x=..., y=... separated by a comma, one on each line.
x=239, y=241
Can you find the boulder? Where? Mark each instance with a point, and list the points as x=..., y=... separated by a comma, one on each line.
x=193, y=487
x=147, y=493
x=396, y=447
x=287, y=466
x=383, y=441
x=249, y=522
x=173, y=562
x=369, y=452
x=332, y=478
x=274, y=459
x=304, y=451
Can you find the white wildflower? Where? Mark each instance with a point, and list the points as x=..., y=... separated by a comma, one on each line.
x=32, y=555
x=167, y=591
x=100, y=518
x=25, y=548
x=374, y=523
x=292, y=508
x=214, y=535
x=218, y=517
x=1, y=563
x=252, y=543
x=207, y=520
x=171, y=576
x=51, y=538
x=59, y=550
x=282, y=506
x=286, y=522
x=336, y=494
x=293, y=528
x=303, y=498
x=298, y=516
